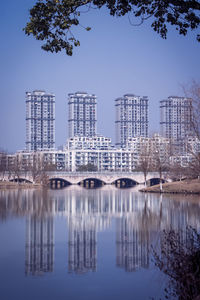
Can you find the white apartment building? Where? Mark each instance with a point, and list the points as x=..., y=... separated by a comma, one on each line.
x=104, y=160
x=176, y=117
x=72, y=159
x=131, y=118
x=97, y=151
x=97, y=142
x=40, y=121
x=82, y=114
x=52, y=159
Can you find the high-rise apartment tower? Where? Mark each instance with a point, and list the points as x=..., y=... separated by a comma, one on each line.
x=131, y=118
x=82, y=117
x=176, y=117
x=40, y=121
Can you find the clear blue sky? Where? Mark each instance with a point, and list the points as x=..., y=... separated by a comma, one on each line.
x=114, y=58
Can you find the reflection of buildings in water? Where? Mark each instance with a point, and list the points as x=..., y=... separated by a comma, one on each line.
x=179, y=211
x=91, y=211
x=23, y=202
x=39, y=245
x=132, y=244
x=82, y=245
x=103, y=203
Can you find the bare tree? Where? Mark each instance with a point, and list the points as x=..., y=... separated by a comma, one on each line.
x=160, y=164
x=46, y=167
x=12, y=167
x=193, y=169
x=17, y=168
x=26, y=168
x=9, y=168
x=38, y=168
x=180, y=261
x=43, y=167
x=193, y=91
x=177, y=172
x=145, y=160
x=35, y=167
x=49, y=167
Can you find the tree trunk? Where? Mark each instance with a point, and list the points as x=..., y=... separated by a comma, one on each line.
x=160, y=181
x=145, y=180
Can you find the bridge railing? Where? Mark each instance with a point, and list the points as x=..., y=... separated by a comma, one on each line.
x=67, y=173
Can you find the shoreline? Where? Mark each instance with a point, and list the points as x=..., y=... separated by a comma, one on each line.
x=185, y=187
x=14, y=185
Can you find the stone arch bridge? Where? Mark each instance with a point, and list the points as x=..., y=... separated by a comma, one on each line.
x=103, y=177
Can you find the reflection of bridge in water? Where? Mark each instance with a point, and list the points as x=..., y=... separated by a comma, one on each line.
x=137, y=218
x=102, y=204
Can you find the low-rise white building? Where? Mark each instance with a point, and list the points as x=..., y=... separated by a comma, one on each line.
x=72, y=159
x=104, y=160
x=99, y=152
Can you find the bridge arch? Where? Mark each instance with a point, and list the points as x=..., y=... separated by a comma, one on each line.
x=58, y=183
x=91, y=182
x=124, y=182
x=155, y=180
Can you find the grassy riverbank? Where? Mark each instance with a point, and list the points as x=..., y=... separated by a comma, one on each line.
x=190, y=186
x=14, y=185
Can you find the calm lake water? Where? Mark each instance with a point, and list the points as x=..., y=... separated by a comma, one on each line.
x=86, y=244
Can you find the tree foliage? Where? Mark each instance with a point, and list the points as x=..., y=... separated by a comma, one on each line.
x=52, y=21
